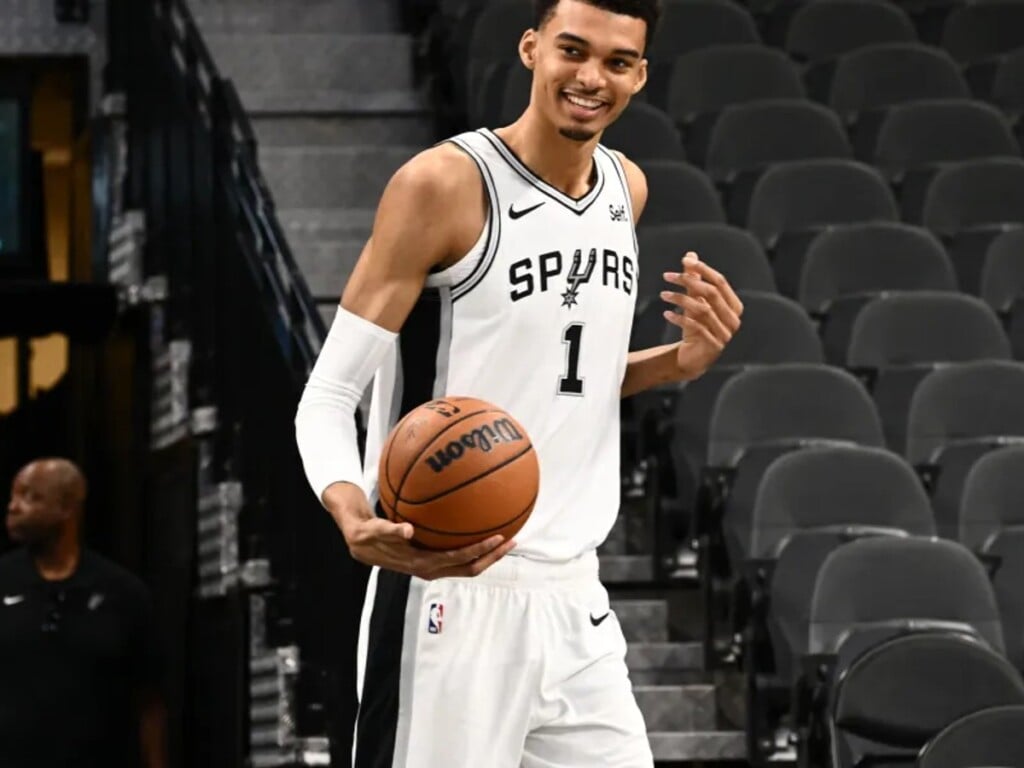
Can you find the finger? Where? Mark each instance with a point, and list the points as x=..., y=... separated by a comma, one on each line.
x=711, y=275
x=702, y=312
x=714, y=297
x=676, y=318
x=379, y=528
x=693, y=330
x=481, y=564
x=436, y=563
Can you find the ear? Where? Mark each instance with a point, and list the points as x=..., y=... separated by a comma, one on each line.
x=641, y=77
x=528, y=48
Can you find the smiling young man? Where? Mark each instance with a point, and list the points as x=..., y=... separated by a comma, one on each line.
x=503, y=265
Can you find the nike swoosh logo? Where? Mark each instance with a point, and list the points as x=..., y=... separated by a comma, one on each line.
x=13, y=599
x=514, y=214
x=597, y=622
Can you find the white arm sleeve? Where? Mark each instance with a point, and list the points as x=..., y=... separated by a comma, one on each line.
x=325, y=427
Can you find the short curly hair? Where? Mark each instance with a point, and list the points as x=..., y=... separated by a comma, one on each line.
x=648, y=10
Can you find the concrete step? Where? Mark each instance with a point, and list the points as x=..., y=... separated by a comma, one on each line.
x=287, y=100
x=289, y=16
x=411, y=129
x=692, y=746
x=677, y=707
x=323, y=224
x=619, y=569
x=342, y=177
x=326, y=264
x=665, y=663
x=366, y=64
x=642, y=620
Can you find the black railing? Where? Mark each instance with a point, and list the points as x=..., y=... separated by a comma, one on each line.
x=235, y=292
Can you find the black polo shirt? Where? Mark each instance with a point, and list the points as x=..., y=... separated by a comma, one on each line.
x=74, y=654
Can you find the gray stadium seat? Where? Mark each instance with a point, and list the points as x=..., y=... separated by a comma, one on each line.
x=808, y=504
x=847, y=265
x=687, y=25
x=749, y=137
x=868, y=589
x=678, y=193
x=989, y=737
x=867, y=82
x=959, y=413
x=826, y=30
x=968, y=204
x=733, y=252
x=1002, y=284
x=1008, y=83
x=897, y=339
x=788, y=208
x=775, y=330
x=900, y=694
x=916, y=139
x=706, y=81
x=493, y=42
x=983, y=28
x=992, y=523
x=644, y=132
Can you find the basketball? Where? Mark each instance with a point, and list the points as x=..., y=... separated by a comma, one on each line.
x=460, y=470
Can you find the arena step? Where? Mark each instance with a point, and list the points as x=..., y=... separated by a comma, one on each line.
x=642, y=620
x=413, y=128
x=345, y=68
x=677, y=707
x=304, y=224
x=285, y=16
x=693, y=746
x=326, y=264
x=665, y=663
x=622, y=569
x=343, y=177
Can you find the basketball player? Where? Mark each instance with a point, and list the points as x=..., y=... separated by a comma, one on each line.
x=503, y=265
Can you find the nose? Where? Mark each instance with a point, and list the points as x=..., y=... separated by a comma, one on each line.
x=590, y=76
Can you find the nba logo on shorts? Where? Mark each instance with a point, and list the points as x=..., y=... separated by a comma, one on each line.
x=435, y=618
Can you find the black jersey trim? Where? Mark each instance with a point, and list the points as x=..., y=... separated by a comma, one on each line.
x=620, y=171
x=578, y=206
x=479, y=272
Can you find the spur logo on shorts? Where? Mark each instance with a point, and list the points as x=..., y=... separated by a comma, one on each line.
x=481, y=438
x=435, y=618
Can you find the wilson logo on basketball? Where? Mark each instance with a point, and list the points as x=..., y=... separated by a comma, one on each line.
x=482, y=438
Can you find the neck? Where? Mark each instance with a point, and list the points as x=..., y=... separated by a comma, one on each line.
x=57, y=558
x=565, y=164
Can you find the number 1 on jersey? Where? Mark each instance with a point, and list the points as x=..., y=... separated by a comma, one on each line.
x=571, y=383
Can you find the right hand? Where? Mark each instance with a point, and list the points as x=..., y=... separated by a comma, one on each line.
x=375, y=541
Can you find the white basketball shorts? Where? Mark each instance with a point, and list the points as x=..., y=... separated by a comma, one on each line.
x=523, y=665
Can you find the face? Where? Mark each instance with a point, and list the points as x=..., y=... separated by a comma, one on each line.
x=35, y=509
x=587, y=64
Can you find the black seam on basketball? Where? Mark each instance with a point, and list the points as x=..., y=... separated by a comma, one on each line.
x=412, y=464
x=470, y=481
x=414, y=524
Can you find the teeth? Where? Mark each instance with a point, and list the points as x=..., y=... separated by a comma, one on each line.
x=579, y=101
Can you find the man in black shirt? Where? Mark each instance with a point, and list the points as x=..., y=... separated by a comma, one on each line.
x=78, y=669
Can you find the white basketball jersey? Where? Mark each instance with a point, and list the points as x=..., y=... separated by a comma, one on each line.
x=535, y=319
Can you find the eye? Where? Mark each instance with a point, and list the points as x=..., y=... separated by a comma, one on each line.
x=571, y=51
x=620, y=64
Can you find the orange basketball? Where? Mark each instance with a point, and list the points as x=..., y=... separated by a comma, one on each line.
x=460, y=470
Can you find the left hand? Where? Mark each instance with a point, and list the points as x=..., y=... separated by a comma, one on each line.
x=710, y=315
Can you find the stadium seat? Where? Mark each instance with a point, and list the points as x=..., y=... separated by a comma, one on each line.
x=1008, y=84
x=747, y=138
x=678, y=194
x=848, y=265
x=687, y=25
x=1002, y=284
x=644, y=132
x=989, y=737
x=733, y=252
x=900, y=694
x=992, y=524
x=897, y=339
x=968, y=204
x=775, y=330
x=788, y=208
x=957, y=414
x=916, y=139
x=493, y=43
x=978, y=32
x=868, y=81
x=706, y=81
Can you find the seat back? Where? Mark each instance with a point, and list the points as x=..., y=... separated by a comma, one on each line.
x=992, y=736
x=821, y=31
x=975, y=193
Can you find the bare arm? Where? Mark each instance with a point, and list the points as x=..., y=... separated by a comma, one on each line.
x=709, y=318
x=415, y=231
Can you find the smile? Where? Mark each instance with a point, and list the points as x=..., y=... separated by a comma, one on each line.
x=582, y=101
